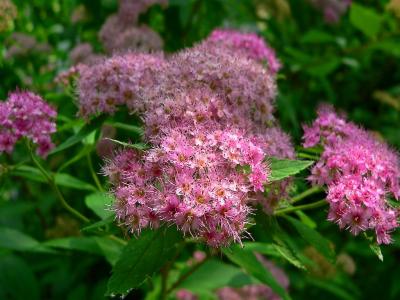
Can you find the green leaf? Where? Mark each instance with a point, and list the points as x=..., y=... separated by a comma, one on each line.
x=61, y=179
x=141, y=258
x=80, y=135
x=287, y=254
x=15, y=240
x=100, y=204
x=377, y=250
x=331, y=287
x=324, y=68
x=67, y=180
x=283, y=168
x=315, y=36
x=215, y=274
x=314, y=238
x=249, y=262
x=17, y=280
x=103, y=246
x=365, y=19
x=275, y=250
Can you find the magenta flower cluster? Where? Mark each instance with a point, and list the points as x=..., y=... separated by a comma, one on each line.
x=250, y=44
x=25, y=114
x=193, y=179
x=208, y=113
x=360, y=171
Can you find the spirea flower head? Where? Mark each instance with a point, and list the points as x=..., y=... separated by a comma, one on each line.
x=121, y=31
x=83, y=54
x=117, y=37
x=121, y=80
x=129, y=10
x=239, y=81
x=195, y=178
x=360, y=172
x=247, y=44
x=332, y=9
x=138, y=39
x=25, y=114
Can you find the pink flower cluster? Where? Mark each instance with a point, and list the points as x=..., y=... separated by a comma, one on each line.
x=208, y=113
x=25, y=114
x=121, y=31
x=128, y=80
x=197, y=178
x=249, y=44
x=252, y=292
x=360, y=171
x=332, y=9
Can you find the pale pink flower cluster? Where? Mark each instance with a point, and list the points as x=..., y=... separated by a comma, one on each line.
x=121, y=32
x=208, y=113
x=128, y=80
x=197, y=178
x=248, y=44
x=247, y=292
x=360, y=171
x=332, y=9
x=25, y=114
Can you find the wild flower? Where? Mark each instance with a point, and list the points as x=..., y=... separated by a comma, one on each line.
x=332, y=9
x=200, y=186
x=248, y=44
x=121, y=80
x=360, y=172
x=25, y=114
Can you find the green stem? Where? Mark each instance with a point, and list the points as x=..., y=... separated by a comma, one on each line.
x=300, y=207
x=94, y=175
x=306, y=193
x=52, y=183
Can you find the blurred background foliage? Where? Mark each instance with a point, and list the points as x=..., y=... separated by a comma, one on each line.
x=353, y=64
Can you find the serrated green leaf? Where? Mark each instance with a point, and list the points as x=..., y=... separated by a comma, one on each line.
x=314, y=238
x=365, y=19
x=141, y=258
x=249, y=262
x=100, y=204
x=283, y=168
